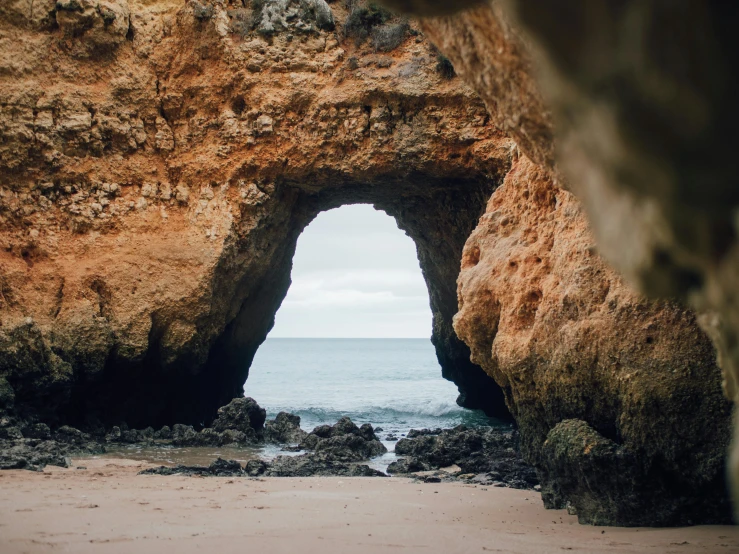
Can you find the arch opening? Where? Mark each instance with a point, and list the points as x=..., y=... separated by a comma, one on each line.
x=351, y=337
x=354, y=275
x=191, y=369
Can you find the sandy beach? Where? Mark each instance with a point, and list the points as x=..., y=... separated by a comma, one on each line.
x=107, y=507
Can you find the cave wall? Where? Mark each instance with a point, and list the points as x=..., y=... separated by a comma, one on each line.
x=618, y=399
x=158, y=162
x=630, y=106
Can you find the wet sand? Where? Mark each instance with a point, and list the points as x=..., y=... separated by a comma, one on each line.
x=108, y=508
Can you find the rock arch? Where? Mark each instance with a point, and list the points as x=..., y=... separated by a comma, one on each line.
x=193, y=354
x=159, y=210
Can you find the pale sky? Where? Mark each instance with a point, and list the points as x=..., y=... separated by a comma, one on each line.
x=355, y=274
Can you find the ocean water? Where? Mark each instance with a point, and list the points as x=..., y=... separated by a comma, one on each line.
x=394, y=384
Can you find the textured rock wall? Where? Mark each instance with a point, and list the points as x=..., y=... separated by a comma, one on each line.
x=571, y=344
x=643, y=95
x=639, y=97
x=158, y=162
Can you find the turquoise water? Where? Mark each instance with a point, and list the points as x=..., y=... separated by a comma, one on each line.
x=395, y=384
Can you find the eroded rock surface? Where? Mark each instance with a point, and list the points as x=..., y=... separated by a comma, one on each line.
x=641, y=100
x=153, y=189
x=480, y=455
x=567, y=339
x=308, y=465
x=285, y=428
x=344, y=442
x=333, y=450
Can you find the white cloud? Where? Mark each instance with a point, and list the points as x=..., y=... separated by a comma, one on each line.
x=355, y=274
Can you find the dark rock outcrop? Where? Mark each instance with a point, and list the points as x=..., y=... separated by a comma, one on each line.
x=282, y=466
x=219, y=468
x=241, y=414
x=344, y=442
x=284, y=429
x=333, y=449
x=308, y=465
x=608, y=484
x=239, y=423
x=29, y=444
x=20, y=450
x=254, y=468
x=491, y=454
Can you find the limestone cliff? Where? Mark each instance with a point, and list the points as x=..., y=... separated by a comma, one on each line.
x=571, y=344
x=637, y=95
x=158, y=162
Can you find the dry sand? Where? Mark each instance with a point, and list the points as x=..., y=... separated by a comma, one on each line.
x=108, y=508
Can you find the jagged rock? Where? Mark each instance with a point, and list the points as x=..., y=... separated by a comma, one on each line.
x=37, y=431
x=285, y=428
x=241, y=414
x=255, y=468
x=114, y=435
x=308, y=465
x=165, y=433
x=229, y=436
x=241, y=422
x=70, y=435
x=349, y=448
x=102, y=23
x=234, y=425
x=344, y=441
x=407, y=465
x=306, y=16
x=34, y=454
x=219, y=468
x=413, y=433
x=208, y=437
x=132, y=436
x=184, y=435
x=444, y=448
x=479, y=450
x=11, y=432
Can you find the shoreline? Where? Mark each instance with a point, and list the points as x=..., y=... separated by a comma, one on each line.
x=242, y=433
x=107, y=507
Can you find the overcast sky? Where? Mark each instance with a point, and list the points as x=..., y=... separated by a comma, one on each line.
x=355, y=274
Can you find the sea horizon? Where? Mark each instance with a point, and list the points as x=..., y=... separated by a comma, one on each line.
x=392, y=383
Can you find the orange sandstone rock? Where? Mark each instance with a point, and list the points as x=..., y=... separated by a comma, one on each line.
x=568, y=340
